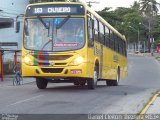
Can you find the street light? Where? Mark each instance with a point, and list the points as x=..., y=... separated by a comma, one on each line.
x=137, y=36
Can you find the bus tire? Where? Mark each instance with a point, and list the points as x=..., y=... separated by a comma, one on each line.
x=114, y=82
x=92, y=83
x=41, y=83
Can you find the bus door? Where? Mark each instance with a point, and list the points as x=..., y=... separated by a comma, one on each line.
x=102, y=42
x=101, y=62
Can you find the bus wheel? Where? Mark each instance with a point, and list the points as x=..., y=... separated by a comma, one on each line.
x=92, y=83
x=114, y=82
x=41, y=83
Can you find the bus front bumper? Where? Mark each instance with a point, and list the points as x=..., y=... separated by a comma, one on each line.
x=55, y=72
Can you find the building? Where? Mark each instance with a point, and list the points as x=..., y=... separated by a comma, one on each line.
x=10, y=12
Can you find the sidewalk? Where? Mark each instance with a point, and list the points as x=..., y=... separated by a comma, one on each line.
x=145, y=54
x=8, y=80
x=153, y=106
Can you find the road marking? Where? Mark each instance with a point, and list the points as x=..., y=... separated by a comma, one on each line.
x=144, y=110
x=21, y=101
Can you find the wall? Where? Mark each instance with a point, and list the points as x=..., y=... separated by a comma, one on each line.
x=11, y=9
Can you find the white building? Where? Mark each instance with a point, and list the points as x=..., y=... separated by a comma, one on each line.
x=9, y=10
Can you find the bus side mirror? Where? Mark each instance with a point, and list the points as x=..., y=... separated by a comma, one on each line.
x=17, y=26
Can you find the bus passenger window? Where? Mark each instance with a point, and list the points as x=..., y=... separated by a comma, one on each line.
x=96, y=31
x=111, y=40
x=107, y=37
x=101, y=29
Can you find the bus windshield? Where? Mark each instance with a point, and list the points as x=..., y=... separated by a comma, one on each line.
x=54, y=34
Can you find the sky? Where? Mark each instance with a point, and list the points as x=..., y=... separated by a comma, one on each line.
x=110, y=3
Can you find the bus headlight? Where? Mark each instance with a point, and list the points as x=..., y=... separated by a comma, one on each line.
x=77, y=61
x=28, y=60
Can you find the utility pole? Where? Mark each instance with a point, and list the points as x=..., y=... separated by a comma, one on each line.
x=90, y=2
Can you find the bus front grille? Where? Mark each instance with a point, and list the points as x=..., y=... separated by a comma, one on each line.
x=53, y=57
x=52, y=70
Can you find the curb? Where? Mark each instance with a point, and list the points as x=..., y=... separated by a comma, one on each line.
x=147, y=106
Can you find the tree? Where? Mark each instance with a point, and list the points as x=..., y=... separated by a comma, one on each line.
x=149, y=7
x=109, y=16
x=136, y=5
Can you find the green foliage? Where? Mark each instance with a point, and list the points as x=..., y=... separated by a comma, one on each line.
x=109, y=16
x=149, y=7
x=121, y=18
x=140, y=12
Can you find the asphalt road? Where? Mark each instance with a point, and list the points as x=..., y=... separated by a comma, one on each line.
x=128, y=98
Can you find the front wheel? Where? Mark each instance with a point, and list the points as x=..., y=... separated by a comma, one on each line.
x=41, y=83
x=92, y=83
x=15, y=82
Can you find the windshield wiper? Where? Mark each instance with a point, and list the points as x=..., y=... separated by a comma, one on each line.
x=45, y=25
x=63, y=22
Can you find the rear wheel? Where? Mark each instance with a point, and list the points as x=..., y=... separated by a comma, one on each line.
x=92, y=83
x=114, y=82
x=41, y=83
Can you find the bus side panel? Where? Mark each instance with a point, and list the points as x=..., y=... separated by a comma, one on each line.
x=94, y=54
x=90, y=62
x=125, y=68
x=122, y=63
x=106, y=63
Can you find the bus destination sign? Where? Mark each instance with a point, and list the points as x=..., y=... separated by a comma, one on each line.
x=58, y=9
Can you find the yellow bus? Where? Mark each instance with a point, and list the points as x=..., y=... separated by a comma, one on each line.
x=68, y=42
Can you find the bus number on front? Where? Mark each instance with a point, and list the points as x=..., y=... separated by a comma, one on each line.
x=38, y=10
